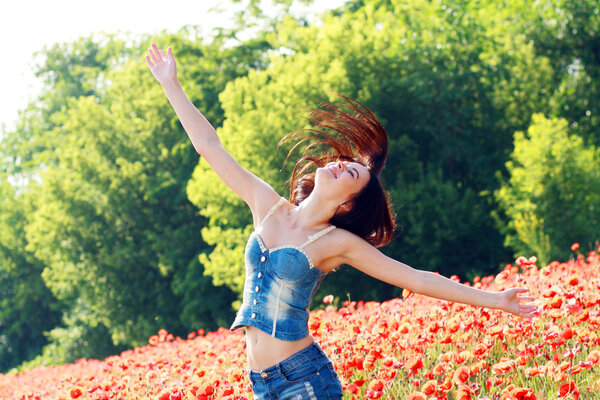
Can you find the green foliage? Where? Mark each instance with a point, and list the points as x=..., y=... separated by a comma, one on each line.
x=568, y=33
x=27, y=308
x=67, y=70
x=202, y=303
x=437, y=220
x=107, y=216
x=78, y=337
x=552, y=197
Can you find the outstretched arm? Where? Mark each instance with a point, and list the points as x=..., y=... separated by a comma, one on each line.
x=255, y=192
x=371, y=261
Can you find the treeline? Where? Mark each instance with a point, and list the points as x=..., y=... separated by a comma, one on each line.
x=112, y=228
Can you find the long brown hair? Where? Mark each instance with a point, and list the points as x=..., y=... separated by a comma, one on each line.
x=346, y=132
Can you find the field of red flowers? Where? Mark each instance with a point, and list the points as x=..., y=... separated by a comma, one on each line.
x=410, y=348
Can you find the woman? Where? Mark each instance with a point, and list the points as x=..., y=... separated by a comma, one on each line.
x=337, y=215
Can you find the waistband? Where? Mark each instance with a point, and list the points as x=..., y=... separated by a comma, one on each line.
x=303, y=356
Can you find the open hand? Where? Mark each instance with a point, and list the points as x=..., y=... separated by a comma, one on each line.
x=162, y=65
x=510, y=302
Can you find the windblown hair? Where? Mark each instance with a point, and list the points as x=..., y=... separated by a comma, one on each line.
x=346, y=132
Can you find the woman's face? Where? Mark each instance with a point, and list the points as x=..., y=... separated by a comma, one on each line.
x=343, y=178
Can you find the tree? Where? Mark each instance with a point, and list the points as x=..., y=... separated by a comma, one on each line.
x=27, y=307
x=66, y=70
x=568, y=33
x=553, y=193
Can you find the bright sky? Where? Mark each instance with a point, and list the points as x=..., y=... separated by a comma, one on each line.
x=26, y=26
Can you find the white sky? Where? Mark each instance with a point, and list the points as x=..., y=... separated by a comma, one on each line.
x=26, y=26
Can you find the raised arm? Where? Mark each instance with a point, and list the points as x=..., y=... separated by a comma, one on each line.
x=255, y=192
x=366, y=258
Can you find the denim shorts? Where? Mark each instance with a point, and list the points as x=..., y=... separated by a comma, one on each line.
x=306, y=375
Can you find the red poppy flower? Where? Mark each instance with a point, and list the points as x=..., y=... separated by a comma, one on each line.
x=416, y=396
x=567, y=333
x=593, y=357
x=574, y=246
x=461, y=375
x=375, y=385
x=569, y=388
x=415, y=364
x=521, y=393
x=429, y=387
x=371, y=394
x=352, y=388
x=359, y=382
x=463, y=393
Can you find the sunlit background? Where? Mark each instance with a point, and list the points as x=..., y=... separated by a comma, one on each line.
x=27, y=26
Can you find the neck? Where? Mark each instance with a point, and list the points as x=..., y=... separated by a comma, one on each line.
x=315, y=212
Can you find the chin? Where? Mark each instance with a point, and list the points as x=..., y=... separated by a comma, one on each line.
x=323, y=174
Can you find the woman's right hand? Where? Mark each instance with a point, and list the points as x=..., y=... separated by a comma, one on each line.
x=162, y=65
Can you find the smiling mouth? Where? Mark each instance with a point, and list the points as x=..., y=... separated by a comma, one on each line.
x=333, y=171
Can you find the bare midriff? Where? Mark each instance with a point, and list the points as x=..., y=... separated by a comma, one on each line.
x=264, y=350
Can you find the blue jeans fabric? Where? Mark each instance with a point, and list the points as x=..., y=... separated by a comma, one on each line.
x=306, y=375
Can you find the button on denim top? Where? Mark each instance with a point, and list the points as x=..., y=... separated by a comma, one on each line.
x=279, y=286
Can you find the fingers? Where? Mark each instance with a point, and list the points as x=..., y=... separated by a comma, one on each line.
x=527, y=311
x=527, y=299
x=157, y=55
x=520, y=290
x=529, y=308
x=149, y=62
x=528, y=315
x=153, y=52
x=524, y=308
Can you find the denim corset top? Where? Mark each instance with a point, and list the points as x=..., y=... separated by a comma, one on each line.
x=279, y=286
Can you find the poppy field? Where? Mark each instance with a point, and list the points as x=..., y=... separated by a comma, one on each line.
x=410, y=348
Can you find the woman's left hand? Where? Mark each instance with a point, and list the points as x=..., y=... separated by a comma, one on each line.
x=162, y=65
x=510, y=302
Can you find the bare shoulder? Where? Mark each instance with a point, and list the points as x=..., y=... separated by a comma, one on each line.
x=357, y=249
x=345, y=248
x=345, y=240
x=264, y=200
